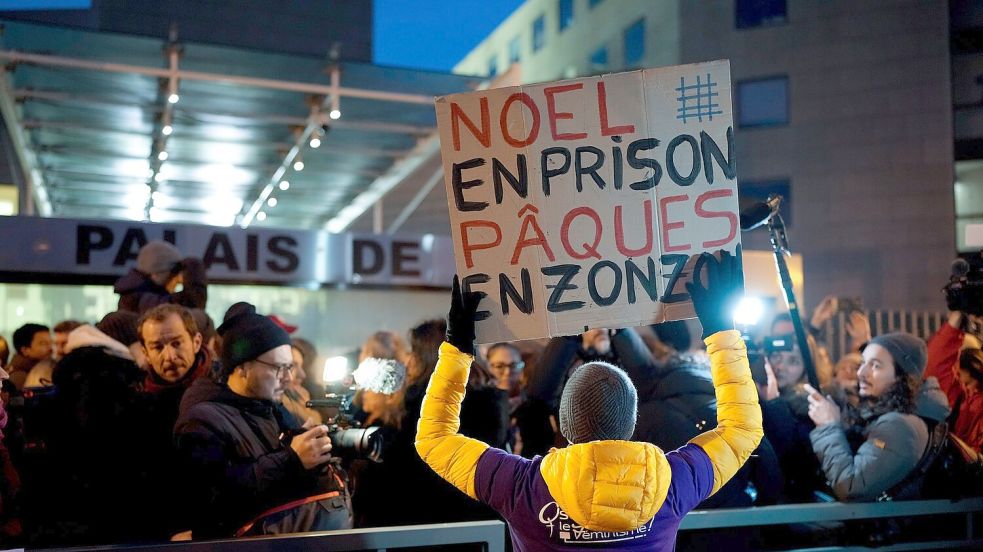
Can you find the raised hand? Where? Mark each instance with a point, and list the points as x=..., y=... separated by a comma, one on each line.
x=715, y=302
x=460, y=318
x=824, y=311
x=858, y=328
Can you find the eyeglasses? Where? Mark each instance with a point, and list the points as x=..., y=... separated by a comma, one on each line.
x=280, y=368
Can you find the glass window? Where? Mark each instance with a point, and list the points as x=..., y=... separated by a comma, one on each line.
x=599, y=59
x=592, y=3
x=759, y=13
x=752, y=192
x=566, y=14
x=635, y=43
x=493, y=66
x=762, y=102
x=538, y=33
x=515, y=47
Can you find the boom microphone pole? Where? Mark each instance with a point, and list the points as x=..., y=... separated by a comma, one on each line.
x=767, y=212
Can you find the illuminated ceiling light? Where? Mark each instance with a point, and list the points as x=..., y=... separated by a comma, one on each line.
x=261, y=216
x=167, y=130
x=162, y=156
x=271, y=202
x=284, y=185
x=335, y=114
x=158, y=177
x=150, y=172
x=315, y=142
x=173, y=99
x=298, y=165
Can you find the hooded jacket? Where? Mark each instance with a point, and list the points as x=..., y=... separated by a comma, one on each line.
x=893, y=443
x=138, y=293
x=622, y=494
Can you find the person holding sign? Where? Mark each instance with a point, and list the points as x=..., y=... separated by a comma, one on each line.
x=603, y=489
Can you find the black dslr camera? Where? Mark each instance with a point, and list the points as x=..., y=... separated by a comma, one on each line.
x=348, y=440
x=964, y=292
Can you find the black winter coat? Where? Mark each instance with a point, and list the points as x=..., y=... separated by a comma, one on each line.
x=138, y=293
x=236, y=465
x=87, y=484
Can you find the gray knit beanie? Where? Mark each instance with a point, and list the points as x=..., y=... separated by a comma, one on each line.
x=157, y=256
x=598, y=403
x=909, y=352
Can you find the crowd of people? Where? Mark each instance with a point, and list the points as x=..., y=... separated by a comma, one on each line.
x=158, y=424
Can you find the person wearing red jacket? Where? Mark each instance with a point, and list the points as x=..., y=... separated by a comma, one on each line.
x=960, y=374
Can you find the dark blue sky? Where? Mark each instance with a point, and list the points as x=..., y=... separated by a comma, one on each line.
x=433, y=34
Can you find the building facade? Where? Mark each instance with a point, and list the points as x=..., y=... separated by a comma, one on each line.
x=843, y=107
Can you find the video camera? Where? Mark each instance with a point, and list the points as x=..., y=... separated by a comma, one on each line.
x=964, y=292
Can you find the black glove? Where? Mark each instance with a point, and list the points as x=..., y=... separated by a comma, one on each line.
x=716, y=302
x=460, y=319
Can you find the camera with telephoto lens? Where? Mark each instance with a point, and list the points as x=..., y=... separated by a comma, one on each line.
x=964, y=292
x=348, y=440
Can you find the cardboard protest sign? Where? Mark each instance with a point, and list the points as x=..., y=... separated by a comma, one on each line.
x=584, y=203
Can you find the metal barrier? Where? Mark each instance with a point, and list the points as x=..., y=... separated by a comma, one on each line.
x=844, y=511
x=490, y=535
x=920, y=323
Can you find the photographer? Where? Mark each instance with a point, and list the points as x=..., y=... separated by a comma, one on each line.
x=249, y=471
x=160, y=269
x=589, y=481
x=955, y=359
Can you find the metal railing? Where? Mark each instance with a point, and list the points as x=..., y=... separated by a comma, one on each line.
x=920, y=323
x=847, y=511
x=490, y=535
x=486, y=535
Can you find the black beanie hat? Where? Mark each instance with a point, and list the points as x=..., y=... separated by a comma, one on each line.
x=246, y=335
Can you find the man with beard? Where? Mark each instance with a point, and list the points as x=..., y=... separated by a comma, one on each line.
x=867, y=450
x=249, y=470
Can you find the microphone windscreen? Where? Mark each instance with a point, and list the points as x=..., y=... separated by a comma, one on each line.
x=380, y=375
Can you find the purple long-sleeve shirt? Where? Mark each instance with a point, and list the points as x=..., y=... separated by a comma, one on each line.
x=514, y=486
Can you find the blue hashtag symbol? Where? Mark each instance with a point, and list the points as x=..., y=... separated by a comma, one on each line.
x=703, y=94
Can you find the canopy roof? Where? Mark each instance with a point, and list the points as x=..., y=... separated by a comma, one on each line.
x=98, y=135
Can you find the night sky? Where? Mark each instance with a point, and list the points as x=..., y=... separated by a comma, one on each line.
x=433, y=34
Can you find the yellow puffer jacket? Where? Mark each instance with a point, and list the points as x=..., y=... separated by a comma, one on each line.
x=602, y=485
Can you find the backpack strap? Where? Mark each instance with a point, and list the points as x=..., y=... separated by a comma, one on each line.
x=283, y=508
x=937, y=437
